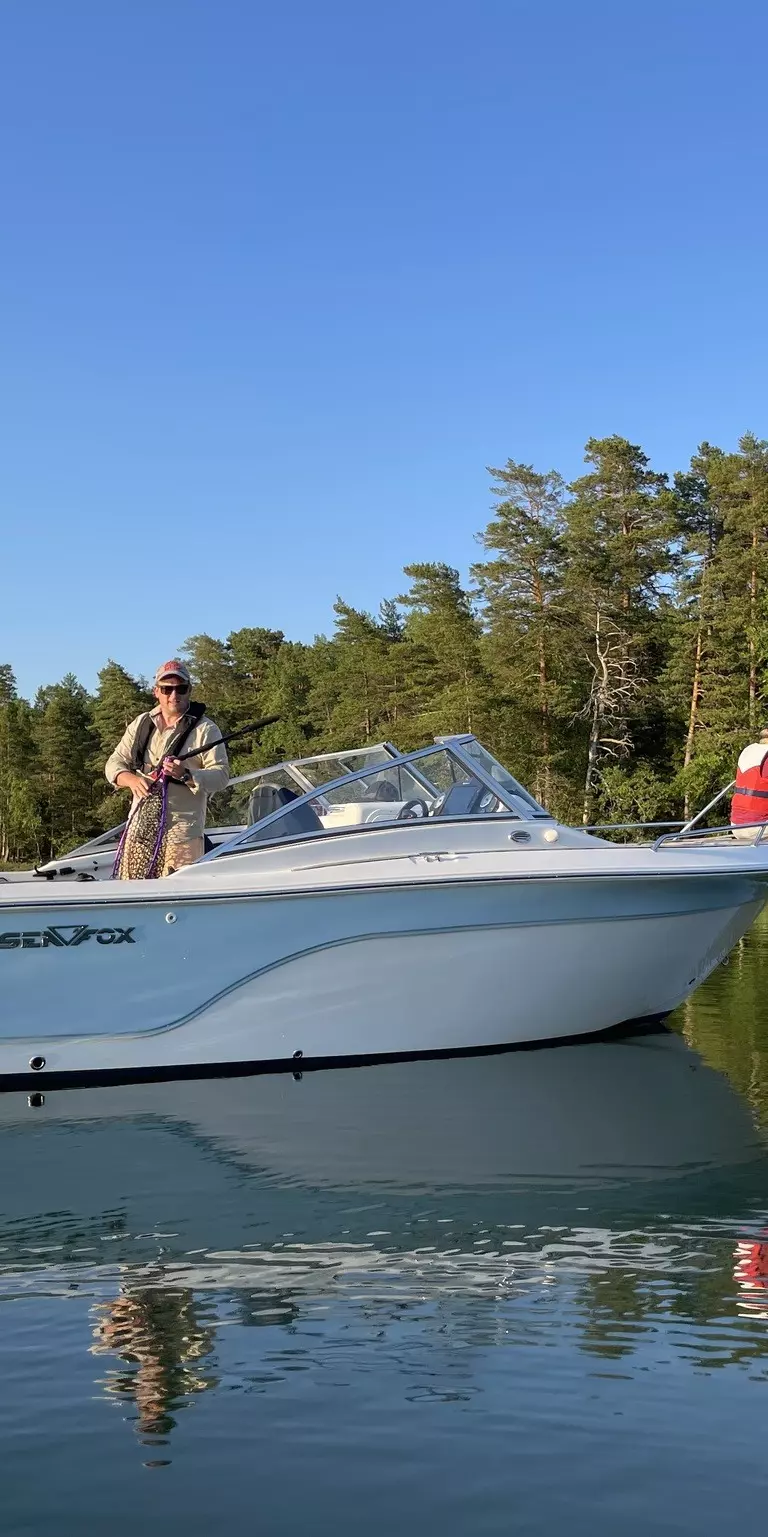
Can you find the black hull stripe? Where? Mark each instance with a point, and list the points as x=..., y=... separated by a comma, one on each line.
x=42, y=1081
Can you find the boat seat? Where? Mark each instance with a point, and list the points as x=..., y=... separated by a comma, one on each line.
x=267, y=798
x=462, y=800
x=384, y=790
x=359, y=813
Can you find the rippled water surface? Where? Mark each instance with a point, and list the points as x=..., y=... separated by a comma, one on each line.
x=525, y=1293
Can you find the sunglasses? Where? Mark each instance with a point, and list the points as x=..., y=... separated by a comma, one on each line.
x=173, y=688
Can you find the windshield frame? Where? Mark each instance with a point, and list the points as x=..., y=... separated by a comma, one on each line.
x=250, y=840
x=531, y=810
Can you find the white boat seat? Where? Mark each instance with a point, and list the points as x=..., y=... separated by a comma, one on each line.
x=359, y=813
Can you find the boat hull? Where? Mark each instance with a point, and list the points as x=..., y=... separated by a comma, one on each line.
x=177, y=985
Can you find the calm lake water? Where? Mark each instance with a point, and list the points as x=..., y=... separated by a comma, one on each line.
x=525, y=1293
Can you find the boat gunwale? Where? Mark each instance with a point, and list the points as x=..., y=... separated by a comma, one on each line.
x=117, y=895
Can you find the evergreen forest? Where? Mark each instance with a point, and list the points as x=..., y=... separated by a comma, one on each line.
x=610, y=645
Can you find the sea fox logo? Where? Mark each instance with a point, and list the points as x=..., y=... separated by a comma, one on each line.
x=64, y=936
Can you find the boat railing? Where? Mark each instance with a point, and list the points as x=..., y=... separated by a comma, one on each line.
x=684, y=829
x=698, y=834
x=628, y=827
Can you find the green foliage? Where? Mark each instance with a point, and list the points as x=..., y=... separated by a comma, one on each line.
x=67, y=745
x=119, y=698
x=526, y=624
x=445, y=677
x=20, y=823
x=612, y=649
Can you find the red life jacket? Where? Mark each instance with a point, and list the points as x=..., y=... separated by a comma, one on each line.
x=752, y=1263
x=750, y=797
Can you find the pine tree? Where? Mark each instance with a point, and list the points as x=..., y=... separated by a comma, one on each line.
x=523, y=611
x=688, y=616
x=7, y=683
x=360, y=713
x=119, y=698
x=214, y=678
x=287, y=693
x=619, y=536
x=446, y=666
x=67, y=745
x=20, y=820
x=734, y=609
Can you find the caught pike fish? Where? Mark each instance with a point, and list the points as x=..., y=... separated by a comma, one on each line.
x=141, y=850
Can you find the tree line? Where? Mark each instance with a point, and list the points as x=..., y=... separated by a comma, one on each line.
x=610, y=646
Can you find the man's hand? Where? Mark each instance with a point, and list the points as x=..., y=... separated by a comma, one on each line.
x=136, y=783
x=176, y=769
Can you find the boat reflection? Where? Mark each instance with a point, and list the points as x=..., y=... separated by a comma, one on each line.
x=592, y=1114
x=627, y=1174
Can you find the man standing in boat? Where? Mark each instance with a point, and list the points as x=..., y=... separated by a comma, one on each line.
x=153, y=740
x=750, y=795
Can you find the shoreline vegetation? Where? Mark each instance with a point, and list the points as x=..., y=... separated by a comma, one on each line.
x=610, y=646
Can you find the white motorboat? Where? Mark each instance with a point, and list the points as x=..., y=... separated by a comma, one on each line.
x=372, y=904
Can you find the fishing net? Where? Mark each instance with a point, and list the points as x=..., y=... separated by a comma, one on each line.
x=141, y=850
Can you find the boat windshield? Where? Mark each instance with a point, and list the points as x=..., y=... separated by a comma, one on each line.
x=443, y=781
x=97, y=845
x=235, y=805
x=319, y=770
x=240, y=802
x=496, y=771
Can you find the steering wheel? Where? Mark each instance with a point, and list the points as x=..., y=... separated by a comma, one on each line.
x=413, y=811
x=489, y=802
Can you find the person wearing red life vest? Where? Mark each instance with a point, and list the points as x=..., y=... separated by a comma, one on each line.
x=750, y=795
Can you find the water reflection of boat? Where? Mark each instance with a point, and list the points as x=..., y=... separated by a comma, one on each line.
x=205, y=1161
x=472, y=1184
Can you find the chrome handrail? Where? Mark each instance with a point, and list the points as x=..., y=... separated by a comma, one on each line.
x=712, y=832
x=684, y=828
x=709, y=805
x=619, y=827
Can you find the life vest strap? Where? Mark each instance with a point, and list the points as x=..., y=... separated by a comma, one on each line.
x=147, y=727
x=757, y=794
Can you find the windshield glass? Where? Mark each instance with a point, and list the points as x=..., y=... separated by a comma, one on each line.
x=232, y=808
x=502, y=776
x=108, y=840
x=432, y=783
x=319, y=770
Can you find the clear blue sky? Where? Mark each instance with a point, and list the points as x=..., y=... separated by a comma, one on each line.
x=278, y=280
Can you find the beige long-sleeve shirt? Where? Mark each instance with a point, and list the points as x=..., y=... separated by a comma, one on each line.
x=209, y=770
